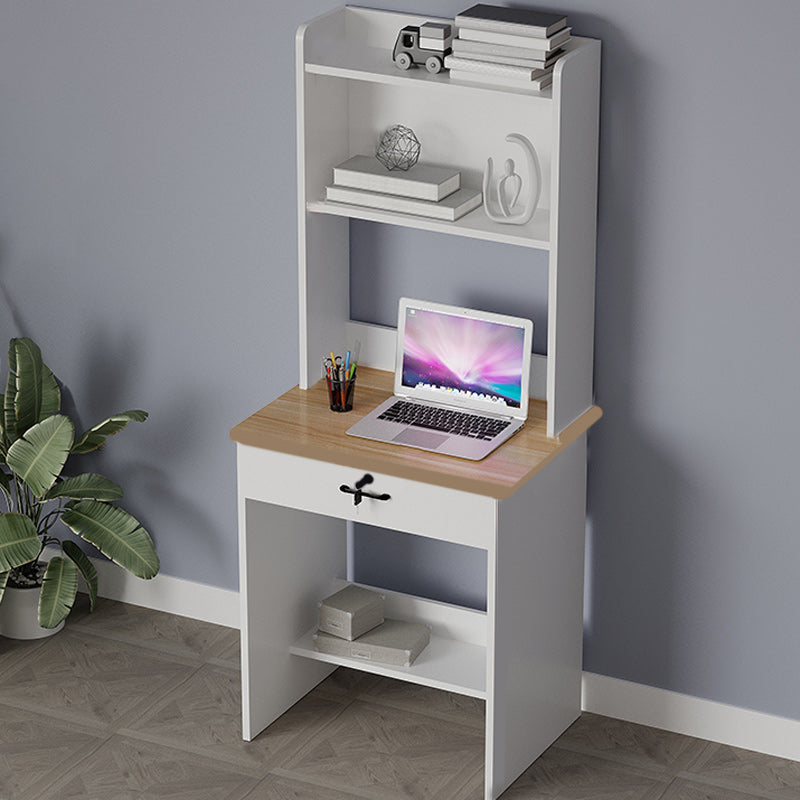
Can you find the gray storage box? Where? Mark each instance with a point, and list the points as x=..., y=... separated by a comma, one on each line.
x=350, y=612
x=395, y=642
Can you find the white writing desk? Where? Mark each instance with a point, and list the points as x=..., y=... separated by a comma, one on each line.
x=524, y=505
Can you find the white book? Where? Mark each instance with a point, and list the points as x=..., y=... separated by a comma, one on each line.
x=422, y=181
x=462, y=76
x=450, y=208
x=520, y=21
x=504, y=54
x=493, y=68
x=493, y=37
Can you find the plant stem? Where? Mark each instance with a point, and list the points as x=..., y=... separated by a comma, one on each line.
x=18, y=492
x=49, y=520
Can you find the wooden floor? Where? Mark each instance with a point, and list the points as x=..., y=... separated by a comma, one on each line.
x=130, y=704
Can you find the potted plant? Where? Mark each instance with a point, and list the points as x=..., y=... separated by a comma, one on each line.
x=36, y=441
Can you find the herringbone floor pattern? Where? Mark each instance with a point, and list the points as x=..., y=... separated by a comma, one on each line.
x=131, y=704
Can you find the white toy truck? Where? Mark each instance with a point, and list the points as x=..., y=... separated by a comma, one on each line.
x=426, y=44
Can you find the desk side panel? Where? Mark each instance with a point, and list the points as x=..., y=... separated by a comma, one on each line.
x=288, y=561
x=536, y=604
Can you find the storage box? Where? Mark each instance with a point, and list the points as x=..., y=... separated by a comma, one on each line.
x=350, y=612
x=394, y=642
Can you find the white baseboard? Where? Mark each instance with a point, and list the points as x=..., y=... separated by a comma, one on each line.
x=611, y=697
x=693, y=716
x=164, y=593
x=173, y=595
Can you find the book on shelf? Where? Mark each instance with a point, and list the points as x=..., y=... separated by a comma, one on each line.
x=521, y=21
x=450, y=208
x=505, y=55
x=422, y=181
x=514, y=40
x=494, y=68
x=514, y=81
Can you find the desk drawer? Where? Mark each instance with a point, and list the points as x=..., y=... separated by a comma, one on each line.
x=414, y=507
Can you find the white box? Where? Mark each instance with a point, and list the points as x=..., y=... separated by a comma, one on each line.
x=350, y=612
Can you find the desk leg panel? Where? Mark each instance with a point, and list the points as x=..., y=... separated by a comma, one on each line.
x=288, y=560
x=535, y=603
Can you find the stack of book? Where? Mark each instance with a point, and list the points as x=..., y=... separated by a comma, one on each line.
x=426, y=190
x=351, y=624
x=507, y=46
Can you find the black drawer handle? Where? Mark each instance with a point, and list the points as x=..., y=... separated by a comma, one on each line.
x=358, y=490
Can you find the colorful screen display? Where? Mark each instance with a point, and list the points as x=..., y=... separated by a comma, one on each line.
x=470, y=357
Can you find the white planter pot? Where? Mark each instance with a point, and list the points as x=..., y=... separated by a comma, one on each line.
x=19, y=615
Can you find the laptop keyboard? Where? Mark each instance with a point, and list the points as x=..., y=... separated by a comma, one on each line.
x=446, y=420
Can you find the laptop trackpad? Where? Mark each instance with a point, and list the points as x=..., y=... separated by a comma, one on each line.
x=418, y=438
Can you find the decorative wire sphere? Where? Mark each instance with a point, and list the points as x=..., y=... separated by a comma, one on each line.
x=398, y=148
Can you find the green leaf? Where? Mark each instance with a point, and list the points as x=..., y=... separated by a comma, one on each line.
x=87, y=486
x=59, y=588
x=3, y=581
x=96, y=437
x=36, y=395
x=19, y=542
x=86, y=568
x=115, y=533
x=9, y=418
x=39, y=456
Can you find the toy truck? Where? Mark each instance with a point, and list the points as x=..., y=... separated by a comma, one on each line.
x=426, y=44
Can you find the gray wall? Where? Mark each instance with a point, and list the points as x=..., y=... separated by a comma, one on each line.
x=147, y=242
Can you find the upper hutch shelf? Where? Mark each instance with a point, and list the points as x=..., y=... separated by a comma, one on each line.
x=357, y=62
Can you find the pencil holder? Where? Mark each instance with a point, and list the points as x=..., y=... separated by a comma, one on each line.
x=340, y=392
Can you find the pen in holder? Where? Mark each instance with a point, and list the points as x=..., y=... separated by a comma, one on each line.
x=341, y=386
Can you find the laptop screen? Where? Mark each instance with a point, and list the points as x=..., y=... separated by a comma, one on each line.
x=464, y=356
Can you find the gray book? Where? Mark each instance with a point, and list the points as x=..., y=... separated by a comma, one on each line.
x=450, y=208
x=396, y=643
x=514, y=40
x=494, y=68
x=422, y=181
x=504, y=54
x=512, y=81
x=521, y=21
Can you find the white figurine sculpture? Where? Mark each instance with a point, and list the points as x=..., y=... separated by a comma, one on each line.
x=507, y=192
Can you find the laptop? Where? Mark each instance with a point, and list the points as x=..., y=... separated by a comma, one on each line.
x=460, y=381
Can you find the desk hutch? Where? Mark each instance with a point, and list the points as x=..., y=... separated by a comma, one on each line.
x=525, y=504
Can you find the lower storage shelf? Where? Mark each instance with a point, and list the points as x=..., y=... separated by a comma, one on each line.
x=455, y=659
x=446, y=664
